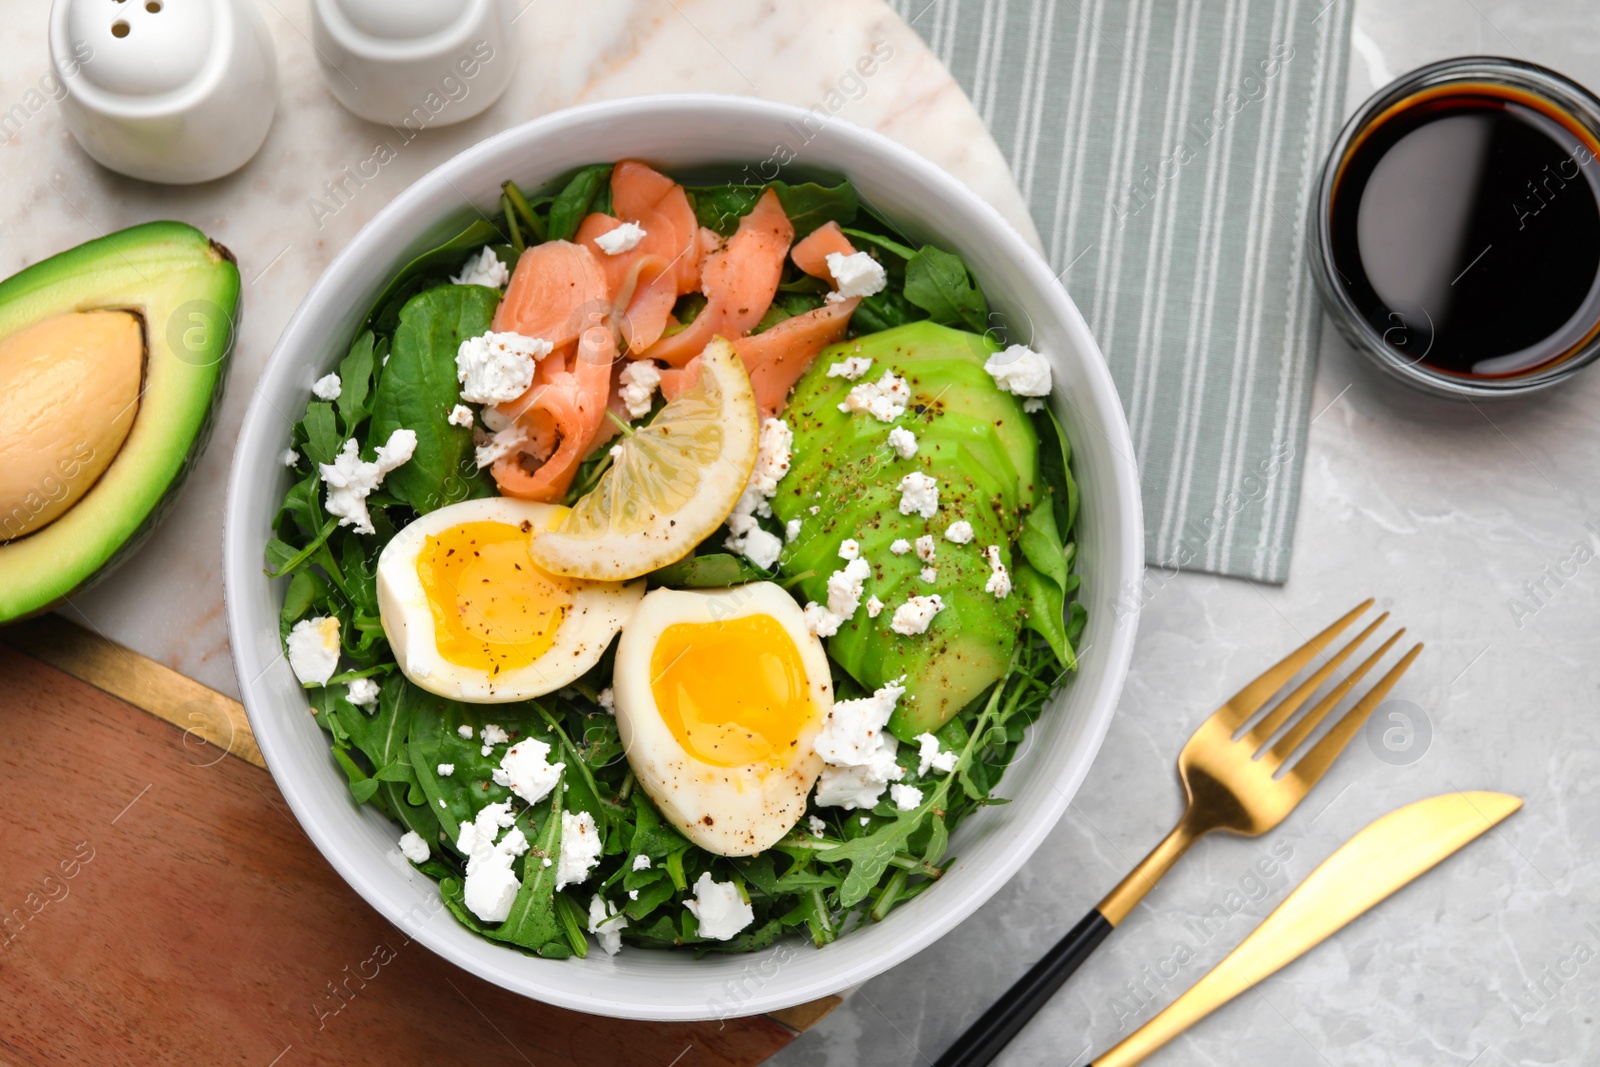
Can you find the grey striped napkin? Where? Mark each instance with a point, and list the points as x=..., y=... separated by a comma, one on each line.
x=1167, y=149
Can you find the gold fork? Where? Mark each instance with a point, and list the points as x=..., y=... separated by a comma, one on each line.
x=1232, y=784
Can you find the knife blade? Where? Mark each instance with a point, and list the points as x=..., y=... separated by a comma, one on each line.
x=1364, y=872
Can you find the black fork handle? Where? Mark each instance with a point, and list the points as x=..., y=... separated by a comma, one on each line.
x=983, y=1040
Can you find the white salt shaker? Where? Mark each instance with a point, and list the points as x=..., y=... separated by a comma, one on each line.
x=174, y=91
x=415, y=63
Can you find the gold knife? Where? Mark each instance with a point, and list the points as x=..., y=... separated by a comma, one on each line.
x=1365, y=871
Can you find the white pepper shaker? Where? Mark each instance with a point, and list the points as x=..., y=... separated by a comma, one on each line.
x=173, y=91
x=413, y=64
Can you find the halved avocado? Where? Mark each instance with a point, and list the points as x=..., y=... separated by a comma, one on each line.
x=112, y=360
x=980, y=445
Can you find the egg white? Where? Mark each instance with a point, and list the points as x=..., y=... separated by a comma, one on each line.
x=732, y=811
x=598, y=611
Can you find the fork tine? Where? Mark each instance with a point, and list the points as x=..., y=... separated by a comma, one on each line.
x=1313, y=718
x=1312, y=766
x=1263, y=730
x=1247, y=701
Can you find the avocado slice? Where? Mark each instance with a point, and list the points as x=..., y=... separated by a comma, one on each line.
x=979, y=444
x=112, y=359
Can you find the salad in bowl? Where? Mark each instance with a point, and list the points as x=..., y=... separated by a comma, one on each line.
x=678, y=564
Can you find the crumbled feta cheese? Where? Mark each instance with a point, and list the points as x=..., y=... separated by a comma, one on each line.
x=854, y=729
x=493, y=734
x=849, y=548
x=999, y=582
x=483, y=269
x=1032, y=404
x=900, y=546
x=814, y=509
x=1020, y=370
x=362, y=692
x=313, y=647
x=926, y=548
x=290, y=458
x=754, y=543
x=641, y=862
x=929, y=574
x=929, y=755
x=351, y=479
x=580, y=848
x=638, y=384
x=620, y=239
x=857, y=274
x=821, y=621
x=919, y=494
x=491, y=448
x=413, y=847
x=496, y=367
x=859, y=787
x=884, y=399
x=905, y=797
x=959, y=532
x=845, y=587
x=605, y=922
x=327, y=387
x=719, y=909
x=464, y=732
x=526, y=770
x=633, y=894
x=495, y=419
x=791, y=529
x=903, y=441
x=874, y=607
x=445, y=770
x=490, y=887
x=461, y=416
x=608, y=699
x=747, y=537
x=818, y=827
x=913, y=617
x=851, y=369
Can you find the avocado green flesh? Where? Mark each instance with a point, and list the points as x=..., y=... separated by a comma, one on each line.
x=981, y=447
x=186, y=290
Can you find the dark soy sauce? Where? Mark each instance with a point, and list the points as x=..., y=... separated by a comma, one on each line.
x=1466, y=228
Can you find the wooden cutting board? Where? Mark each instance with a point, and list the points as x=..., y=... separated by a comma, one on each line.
x=160, y=904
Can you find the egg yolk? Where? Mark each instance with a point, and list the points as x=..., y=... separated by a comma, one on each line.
x=732, y=692
x=493, y=608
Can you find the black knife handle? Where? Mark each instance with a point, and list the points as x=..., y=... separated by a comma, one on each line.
x=984, y=1039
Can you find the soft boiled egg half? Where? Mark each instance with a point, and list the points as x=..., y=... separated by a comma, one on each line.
x=719, y=697
x=471, y=617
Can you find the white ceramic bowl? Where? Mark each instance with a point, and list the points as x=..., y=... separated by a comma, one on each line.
x=678, y=133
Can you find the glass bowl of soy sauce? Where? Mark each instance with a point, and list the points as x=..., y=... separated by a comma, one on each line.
x=1457, y=224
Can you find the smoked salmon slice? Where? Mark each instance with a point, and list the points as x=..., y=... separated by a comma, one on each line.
x=739, y=281
x=555, y=294
x=562, y=412
x=777, y=356
x=812, y=251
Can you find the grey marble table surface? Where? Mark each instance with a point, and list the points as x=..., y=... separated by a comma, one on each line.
x=1479, y=527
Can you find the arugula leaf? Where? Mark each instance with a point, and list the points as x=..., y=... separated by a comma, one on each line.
x=323, y=438
x=418, y=389
x=573, y=202
x=712, y=570
x=939, y=283
x=808, y=205
x=532, y=922
x=355, y=382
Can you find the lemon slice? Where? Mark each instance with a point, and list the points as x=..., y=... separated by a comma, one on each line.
x=670, y=484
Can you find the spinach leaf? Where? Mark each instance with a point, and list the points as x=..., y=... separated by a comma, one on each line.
x=1055, y=468
x=323, y=439
x=435, y=265
x=573, y=202
x=939, y=283
x=1045, y=602
x=418, y=389
x=885, y=310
